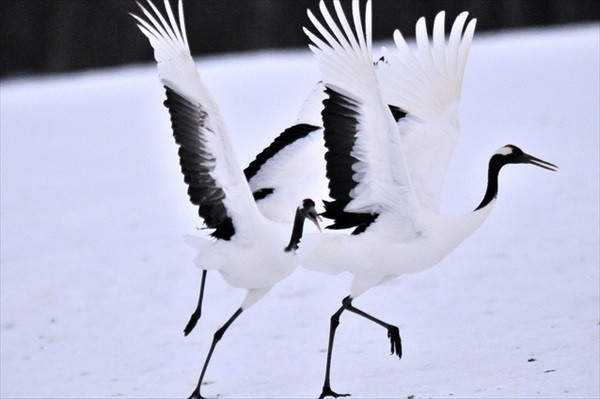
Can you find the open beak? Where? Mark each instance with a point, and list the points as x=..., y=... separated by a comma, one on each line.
x=538, y=162
x=314, y=217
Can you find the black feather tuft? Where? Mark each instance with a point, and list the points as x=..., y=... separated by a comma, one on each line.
x=397, y=112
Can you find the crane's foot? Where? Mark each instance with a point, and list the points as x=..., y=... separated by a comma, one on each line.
x=191, y=324
x=395, y=341
x=196, y=395
x=328, y=392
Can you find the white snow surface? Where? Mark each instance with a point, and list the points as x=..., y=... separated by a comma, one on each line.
x=97, y=282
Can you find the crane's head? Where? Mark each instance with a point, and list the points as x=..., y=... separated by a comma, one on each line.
x=307, y=209
x=513, y=154
x=509, y=154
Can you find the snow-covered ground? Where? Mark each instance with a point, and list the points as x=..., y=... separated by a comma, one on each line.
x=97, y=283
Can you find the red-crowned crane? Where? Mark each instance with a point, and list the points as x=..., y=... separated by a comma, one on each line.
x=385, y=164
x=248, y=249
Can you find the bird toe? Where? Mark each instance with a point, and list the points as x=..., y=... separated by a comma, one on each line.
x=328, y=392
x=395, y=341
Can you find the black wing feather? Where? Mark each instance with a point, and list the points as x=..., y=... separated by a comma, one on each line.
x=340, y=118
x=187, y=119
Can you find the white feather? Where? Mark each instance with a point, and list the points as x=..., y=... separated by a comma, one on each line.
x=428, y=89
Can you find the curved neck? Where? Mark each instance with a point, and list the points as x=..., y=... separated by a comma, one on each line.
x=467, y=224
x=297, y=230
x=491, y=191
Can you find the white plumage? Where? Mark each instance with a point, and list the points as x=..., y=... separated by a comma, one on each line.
x=427, y=87
x=249, y=250
x=385, y=178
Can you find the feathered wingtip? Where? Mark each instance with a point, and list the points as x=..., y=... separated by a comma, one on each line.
x=155, y=30
x=359, y=40
x=429, y=78
x=168, y=38
x=342, y=49
x=447, y=59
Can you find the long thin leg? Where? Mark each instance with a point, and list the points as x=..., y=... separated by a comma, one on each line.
x=393, y=335
x=335, y=321
x=198, y=312
x=393, y=331
x=217, y=337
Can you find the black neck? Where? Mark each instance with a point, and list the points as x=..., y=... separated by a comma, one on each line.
x=491, y=192
x=297, y=230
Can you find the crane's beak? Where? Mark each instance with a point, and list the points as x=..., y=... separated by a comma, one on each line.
x=538, y=162
x=313, y=215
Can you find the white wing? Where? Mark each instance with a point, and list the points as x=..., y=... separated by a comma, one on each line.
x=427, y=88
x=365, y=163
x=211, y=170
x=292, y=167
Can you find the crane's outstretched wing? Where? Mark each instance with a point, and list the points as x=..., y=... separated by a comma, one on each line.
x=292, y=167
x=427, y=89
x=215, y=181
x=365, y=164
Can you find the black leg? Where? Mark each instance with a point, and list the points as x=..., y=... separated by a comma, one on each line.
x=335, y=321
x=217, y=337
x=393, y=331
x=198, y=312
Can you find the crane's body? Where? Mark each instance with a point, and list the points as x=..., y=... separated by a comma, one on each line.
x=385, y=251
x=248, y=264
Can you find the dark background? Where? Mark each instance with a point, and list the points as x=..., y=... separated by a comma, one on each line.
x=50, y=36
